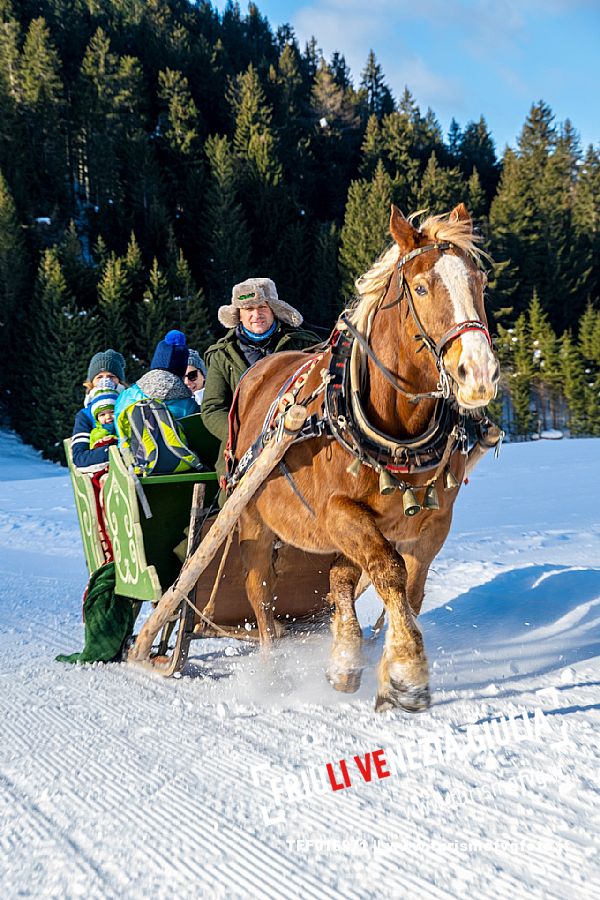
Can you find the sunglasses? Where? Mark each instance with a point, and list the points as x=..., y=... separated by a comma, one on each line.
x=193, y=375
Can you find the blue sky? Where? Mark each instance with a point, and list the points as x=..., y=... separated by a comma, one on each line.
x=465, y=58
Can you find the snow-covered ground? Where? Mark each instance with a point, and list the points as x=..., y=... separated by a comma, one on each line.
x=117, y=783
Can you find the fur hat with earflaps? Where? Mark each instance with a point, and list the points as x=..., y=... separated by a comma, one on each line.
x=253, y=292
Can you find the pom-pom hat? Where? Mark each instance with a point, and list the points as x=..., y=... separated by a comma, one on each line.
x=254, y=292
x=171, y=354
x=107, y=361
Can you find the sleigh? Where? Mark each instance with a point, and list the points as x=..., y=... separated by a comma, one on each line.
x=156, y=523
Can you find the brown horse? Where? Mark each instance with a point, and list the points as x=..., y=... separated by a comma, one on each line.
x=410, y=358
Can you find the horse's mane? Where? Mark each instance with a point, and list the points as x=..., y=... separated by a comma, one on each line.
x=372, y=286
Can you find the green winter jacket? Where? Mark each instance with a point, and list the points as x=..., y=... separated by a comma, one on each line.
x=226, y=364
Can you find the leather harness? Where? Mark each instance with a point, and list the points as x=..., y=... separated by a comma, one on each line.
x=342, y=416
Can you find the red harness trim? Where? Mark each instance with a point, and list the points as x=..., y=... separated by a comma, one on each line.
x=462, y=328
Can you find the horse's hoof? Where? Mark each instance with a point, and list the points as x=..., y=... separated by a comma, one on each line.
x=411, y=699
x=345, y=682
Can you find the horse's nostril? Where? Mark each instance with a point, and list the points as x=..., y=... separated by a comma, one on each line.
x=496, y=373
x=462, y=372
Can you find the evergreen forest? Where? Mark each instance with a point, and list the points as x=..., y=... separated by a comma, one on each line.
x=154, y=152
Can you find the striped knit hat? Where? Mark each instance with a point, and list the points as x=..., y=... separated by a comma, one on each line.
x=100, y=400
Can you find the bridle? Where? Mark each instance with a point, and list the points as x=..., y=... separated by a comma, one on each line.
x=437, y=349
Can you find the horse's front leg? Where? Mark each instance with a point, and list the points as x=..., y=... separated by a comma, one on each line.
x=402, y=673
x=345, y=665
x=256, y=551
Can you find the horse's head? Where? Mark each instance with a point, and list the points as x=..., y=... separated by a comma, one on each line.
x=444, y=287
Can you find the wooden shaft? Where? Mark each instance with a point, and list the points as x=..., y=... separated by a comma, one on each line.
x=478, y=451
x=218, y=532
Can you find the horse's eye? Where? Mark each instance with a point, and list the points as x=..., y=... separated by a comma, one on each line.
x=421, y=290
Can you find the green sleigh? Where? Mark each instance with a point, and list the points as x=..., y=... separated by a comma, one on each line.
x=146, y=563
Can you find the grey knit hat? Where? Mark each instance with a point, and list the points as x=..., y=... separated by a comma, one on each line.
x=194, y=359
x=253, y=292
x=108, y=361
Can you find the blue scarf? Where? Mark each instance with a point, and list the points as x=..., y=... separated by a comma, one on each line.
x=258, y=338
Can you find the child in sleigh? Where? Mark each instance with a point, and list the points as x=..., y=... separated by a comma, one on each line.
x=101, y=405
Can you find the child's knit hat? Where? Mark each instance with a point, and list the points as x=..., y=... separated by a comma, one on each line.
x=100, y=400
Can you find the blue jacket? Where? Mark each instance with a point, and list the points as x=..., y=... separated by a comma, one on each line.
x=158, y=384
x=83, y=457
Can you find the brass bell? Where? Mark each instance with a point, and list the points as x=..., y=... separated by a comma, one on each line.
x=431, y=500
x=410, y=503
x=450, y=482
x=354, y=468
x=387, y=483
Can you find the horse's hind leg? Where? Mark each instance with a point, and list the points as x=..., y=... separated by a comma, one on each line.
x=256, y=550
x=345, y=667
x=402, y=672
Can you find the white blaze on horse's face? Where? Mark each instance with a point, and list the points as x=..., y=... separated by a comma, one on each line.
x=469, y=359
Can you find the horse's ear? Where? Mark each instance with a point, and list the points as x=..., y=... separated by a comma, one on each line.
x=460, y=213
x=402, y=231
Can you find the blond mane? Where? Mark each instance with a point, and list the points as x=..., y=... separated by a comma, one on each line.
x=372, y=287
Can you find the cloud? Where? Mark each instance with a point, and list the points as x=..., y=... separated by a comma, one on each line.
x=354, y=27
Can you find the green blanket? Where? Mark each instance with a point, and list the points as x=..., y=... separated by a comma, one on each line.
x=108, y=619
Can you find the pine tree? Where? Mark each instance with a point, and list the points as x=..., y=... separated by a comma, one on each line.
x=574, y=384
x=58, y=333
x=80, y=274
x=377, y=95
x=476, y=150
x=160, y=315
x=516, y=359
x=292, y=270
x=475, y=196
x=179, y=121
x=188, y=299
x=326, y=302
x=253, y=141
x=365, y=233
x=589, y=335
x=400, y=148
x=11, y=131
x=14, y=265
x=547, y=375
x=42, y=110
x=226, y=234
x=586, y=222
x=511, y=221
x=454, y=140
x=440, y=189
x=333, y=144
x=372, y=147
x=114, y=293
x=136, y=275
x=260, y=173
